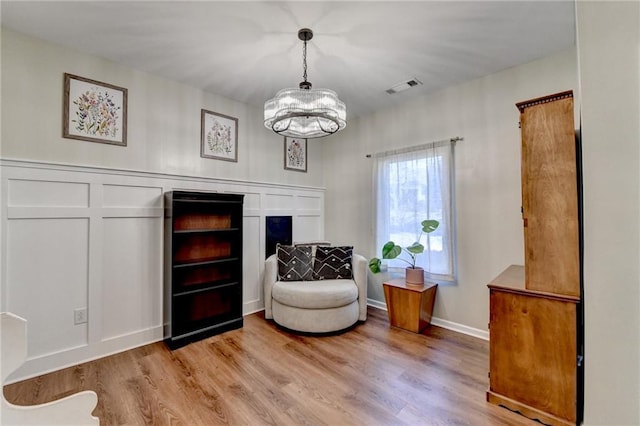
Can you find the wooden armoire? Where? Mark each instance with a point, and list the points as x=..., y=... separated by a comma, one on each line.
x=535, y=310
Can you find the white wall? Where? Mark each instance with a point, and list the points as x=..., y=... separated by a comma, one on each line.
x=609, y=61
x=163, y=119
x=483, y=111
x=81, y=222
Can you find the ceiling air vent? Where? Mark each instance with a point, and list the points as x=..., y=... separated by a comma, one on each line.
x=401, y=87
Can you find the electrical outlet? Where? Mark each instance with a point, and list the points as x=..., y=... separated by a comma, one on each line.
x=80, y=316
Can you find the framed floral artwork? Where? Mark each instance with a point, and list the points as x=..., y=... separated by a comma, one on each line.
x=218, y=136
x=295, y=154
x=94, y=111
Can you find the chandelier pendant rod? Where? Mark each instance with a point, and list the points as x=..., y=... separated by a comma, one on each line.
x=305, y=35
x=304, y=61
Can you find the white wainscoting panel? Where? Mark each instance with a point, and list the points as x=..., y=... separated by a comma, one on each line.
x=47, y=267
x=131, y=196
x=132, y=275
x=85, y=237
x=306, y=228
x=37, y=193
x=279, y=202
x=252, y=264
x=251, y=203
x=309, y=203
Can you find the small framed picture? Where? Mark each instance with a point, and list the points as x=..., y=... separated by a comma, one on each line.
x=295, y=154
x=219, y=136
x=94, y=111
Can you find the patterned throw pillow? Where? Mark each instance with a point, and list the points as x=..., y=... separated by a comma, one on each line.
x=333, y=263
x=294, y=263
x=313, y=245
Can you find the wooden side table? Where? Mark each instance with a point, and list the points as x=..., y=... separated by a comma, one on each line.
x=410, y=307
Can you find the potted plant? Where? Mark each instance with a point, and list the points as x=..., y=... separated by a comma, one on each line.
x=414, y=275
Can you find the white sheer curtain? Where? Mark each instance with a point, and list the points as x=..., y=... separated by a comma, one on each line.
x=413, y=185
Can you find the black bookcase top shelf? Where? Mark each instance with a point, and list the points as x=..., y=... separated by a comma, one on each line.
x=208, y=201
x=205, y=231
x=206, y=198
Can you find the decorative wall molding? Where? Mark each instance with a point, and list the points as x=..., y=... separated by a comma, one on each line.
x=9, y=162
x=77, y=237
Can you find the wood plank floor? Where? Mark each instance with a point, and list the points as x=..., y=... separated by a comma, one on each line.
x=263, y=375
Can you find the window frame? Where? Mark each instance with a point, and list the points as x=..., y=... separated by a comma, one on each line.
x=384, y=159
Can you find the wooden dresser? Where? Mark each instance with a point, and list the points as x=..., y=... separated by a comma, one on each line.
x=535, y=310
x=533, y=349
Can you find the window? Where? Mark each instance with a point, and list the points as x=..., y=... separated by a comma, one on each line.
x=413, y=185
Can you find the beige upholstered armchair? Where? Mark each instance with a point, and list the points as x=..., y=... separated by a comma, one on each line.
x=316, y=305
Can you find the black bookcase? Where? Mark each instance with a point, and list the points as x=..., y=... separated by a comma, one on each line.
x=203, y=265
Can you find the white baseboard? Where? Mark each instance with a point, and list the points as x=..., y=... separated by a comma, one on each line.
x=460, y=328
x=377, y=304
x=251, y=311
x=74, y=356
x=449, y=325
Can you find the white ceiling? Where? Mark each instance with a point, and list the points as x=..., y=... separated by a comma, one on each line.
x=249, y=50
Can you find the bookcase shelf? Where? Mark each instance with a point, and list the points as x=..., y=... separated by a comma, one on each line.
x=203, y=265
x=205, y=288
x=205, y=231
x=206, y=262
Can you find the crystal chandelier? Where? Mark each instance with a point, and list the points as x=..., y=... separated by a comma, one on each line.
x=305, y=112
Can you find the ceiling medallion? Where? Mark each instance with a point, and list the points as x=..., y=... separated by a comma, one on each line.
x=305, y=112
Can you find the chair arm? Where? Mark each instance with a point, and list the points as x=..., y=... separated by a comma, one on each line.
x=359, y=266
x=269, y=279
x=73, y=410
x=13, y=331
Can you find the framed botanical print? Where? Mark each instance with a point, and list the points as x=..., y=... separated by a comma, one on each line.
x=295, y=154
x=218, y=136
x=94, y=111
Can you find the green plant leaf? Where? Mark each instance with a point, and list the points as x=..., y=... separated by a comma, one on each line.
x=415, y=248
x=374, y=265
x=429, y=225
x=390, y=250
